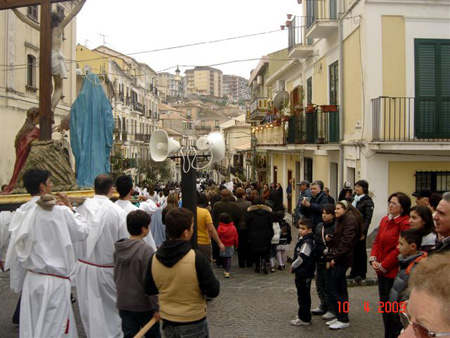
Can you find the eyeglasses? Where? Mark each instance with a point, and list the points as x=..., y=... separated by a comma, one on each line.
x=394, y=204
x=420, y=331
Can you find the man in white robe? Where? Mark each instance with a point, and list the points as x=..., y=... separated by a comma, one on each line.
x=42, y=258
x=124, y=186
x=5, y=220
x=94, y=278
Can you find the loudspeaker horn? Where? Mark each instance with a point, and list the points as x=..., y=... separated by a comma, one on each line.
x=162, y=146
x=215, y=143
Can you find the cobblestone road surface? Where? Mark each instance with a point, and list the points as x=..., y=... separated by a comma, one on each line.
x=251, y=305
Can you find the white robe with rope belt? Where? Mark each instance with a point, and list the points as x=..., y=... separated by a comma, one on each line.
x=96, y=289
x=41, y=257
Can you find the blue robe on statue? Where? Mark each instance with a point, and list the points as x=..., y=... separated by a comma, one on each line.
x=91, y=131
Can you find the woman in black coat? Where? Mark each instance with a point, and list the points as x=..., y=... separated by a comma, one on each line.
x=340, y=258
x=259, y=224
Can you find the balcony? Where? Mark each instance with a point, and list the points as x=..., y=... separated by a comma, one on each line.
x=203, y=128
x=321, y=18
x=409, y=119
x=142, y=137
x=258, y=109
x=316, y=127
x=139, y=107
x=299, y=46
x=270, y=134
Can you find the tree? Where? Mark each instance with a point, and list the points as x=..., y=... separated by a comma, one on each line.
x=154, y=171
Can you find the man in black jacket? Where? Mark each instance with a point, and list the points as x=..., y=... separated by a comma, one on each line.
x=312, y=210
x=365, y=205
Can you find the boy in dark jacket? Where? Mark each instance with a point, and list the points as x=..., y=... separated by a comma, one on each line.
x=130, y=265
x=408, y=244
x=303, y=267
x=326, y=307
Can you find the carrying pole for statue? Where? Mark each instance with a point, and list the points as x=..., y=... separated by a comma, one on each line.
x=147, y=327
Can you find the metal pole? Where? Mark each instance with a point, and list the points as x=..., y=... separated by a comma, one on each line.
x=189, y=191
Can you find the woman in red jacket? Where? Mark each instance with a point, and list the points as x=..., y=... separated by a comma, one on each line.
x=384, y=250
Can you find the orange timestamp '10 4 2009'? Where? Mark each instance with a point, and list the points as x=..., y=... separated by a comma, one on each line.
x=383, y=307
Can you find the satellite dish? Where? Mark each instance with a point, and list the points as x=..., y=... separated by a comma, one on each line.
x=162, y=146
x=281, y=100
x=215, y=143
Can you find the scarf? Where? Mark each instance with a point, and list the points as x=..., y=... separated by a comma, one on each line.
x=356, y=199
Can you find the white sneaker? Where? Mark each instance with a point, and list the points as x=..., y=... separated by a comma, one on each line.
x=328, y=316
x=298, y=322
x=339, y=325
x=331, y=322
x=317, y=311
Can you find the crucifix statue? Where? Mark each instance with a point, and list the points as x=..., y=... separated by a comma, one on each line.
x=46, y=153
x=52, y=62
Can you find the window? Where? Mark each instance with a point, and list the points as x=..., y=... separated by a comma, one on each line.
x=32, y=12
x=309, y=90
x=216, y=123
x=334, y=83
x=432, y=86
x=438, y=181
x=308, y=170
x=189, y=115
x=31, y=71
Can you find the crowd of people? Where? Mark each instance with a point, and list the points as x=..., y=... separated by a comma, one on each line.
x=139, y=258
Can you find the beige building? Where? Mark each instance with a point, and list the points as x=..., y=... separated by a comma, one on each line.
x=368, y=95
x=204, y=81
x=19, y=78
x=236, y=88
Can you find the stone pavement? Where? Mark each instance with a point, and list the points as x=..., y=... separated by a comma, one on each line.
x=251, y=305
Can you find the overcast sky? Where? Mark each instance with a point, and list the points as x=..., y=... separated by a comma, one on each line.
x=133, y=26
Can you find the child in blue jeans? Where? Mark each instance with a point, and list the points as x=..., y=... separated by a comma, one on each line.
x=228, y=235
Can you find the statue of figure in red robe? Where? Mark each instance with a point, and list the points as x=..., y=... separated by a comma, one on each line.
x=26, y=135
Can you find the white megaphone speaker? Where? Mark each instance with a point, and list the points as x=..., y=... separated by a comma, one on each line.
x=162, y=146
x=215, y=143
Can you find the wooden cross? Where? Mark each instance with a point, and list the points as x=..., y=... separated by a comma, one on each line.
x=45, y=64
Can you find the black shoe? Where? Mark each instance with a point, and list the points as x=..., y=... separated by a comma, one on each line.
x=264, y=269
x=350, y=276
x=257, y=270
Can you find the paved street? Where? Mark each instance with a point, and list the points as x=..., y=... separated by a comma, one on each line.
x=251, y=305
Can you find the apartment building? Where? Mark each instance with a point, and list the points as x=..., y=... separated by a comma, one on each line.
x=368, y=92
x=236, y=88
x=19, y=78
x=205, y=81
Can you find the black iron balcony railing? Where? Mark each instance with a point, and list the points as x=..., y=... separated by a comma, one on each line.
x=409, y=119
x=137, y=106
x=124, y=135
x=142, y=137
x=296, y=33
x=208, y=128
x=320, y=10
x=316, y=127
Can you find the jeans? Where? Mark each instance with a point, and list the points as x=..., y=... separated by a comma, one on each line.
x=132, y=322
x=303, y=286
x=197, y=330
x=339, y=292
x=322, y=285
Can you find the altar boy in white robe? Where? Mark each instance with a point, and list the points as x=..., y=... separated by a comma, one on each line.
x=42, y=258
x=124, y=186
x=94, y=278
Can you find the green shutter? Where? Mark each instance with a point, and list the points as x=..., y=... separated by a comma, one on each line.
x=432, y=102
